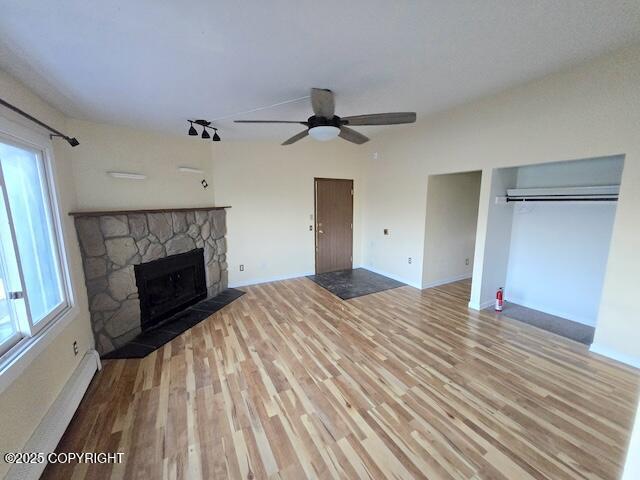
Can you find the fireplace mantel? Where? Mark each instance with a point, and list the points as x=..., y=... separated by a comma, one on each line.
x=100, y=213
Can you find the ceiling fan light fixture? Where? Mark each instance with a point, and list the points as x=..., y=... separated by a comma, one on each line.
x=325, y=125
x=324, y=133
x=205, y=134
x=216, y=137
x=192, y=131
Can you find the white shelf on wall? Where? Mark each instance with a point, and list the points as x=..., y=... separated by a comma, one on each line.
x=190, y=170
x=128, y=175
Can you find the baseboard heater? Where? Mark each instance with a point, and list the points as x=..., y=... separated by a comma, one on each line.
x=48, y=433
x=604, y=193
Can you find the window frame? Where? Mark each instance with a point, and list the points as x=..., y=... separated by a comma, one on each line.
x=18, y=334
x=31, y=338
x=10, y=343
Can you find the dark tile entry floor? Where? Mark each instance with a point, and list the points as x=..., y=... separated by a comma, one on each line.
x=354, y=283
x=561, y=326
x=152, y=339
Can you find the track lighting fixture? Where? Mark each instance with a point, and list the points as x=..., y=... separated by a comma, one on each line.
x=205, y=133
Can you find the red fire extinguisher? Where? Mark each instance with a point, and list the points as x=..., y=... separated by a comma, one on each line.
x=499, y=300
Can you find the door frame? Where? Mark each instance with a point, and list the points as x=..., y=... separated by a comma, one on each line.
x=315, y=216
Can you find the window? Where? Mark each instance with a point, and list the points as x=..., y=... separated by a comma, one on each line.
x=32, y=287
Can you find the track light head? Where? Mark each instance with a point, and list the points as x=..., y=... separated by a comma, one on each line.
x=205, y=124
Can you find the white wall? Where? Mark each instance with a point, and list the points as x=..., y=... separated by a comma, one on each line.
x=450, y=227
x=270, y=190
x=106, y=148
x=558, y=258
x=26, y=400
x=589, y=111
x=558, y=252
x=493, y=238
x=578, y=173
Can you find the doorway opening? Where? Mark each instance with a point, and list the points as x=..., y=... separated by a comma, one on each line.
x=450, y=232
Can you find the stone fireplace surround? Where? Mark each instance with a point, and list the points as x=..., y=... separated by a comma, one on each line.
x=111, y=244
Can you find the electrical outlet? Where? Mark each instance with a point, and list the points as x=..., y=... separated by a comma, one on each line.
x=242, y=268
x=75, y=348
x=409, y=260
x=311, y=228
x=466, y=261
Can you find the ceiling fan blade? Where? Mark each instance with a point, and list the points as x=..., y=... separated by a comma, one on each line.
x=296, y=137
x=380, y=119
x=352, y=136
x=322, y=102
x=269, y=121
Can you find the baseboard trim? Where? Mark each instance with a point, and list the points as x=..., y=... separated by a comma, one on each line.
x=437, y=283
x=48, y=433
x=630, y=360
x=257, y=281
x=391, y=275
x=481, y=306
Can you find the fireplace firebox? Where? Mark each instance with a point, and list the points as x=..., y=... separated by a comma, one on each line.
x=169, y=285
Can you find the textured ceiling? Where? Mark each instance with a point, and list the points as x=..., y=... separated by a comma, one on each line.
x=153, y=64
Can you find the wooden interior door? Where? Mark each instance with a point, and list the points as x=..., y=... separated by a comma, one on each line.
x=334, y=224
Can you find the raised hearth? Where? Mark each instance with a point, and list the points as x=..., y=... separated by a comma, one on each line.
x=154, y=338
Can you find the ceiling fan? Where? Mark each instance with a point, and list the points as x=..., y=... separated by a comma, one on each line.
x=325, y=125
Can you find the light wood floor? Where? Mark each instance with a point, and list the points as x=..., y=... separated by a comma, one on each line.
x=292, y=382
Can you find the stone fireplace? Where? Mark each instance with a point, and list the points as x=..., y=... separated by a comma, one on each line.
x=116, y=244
